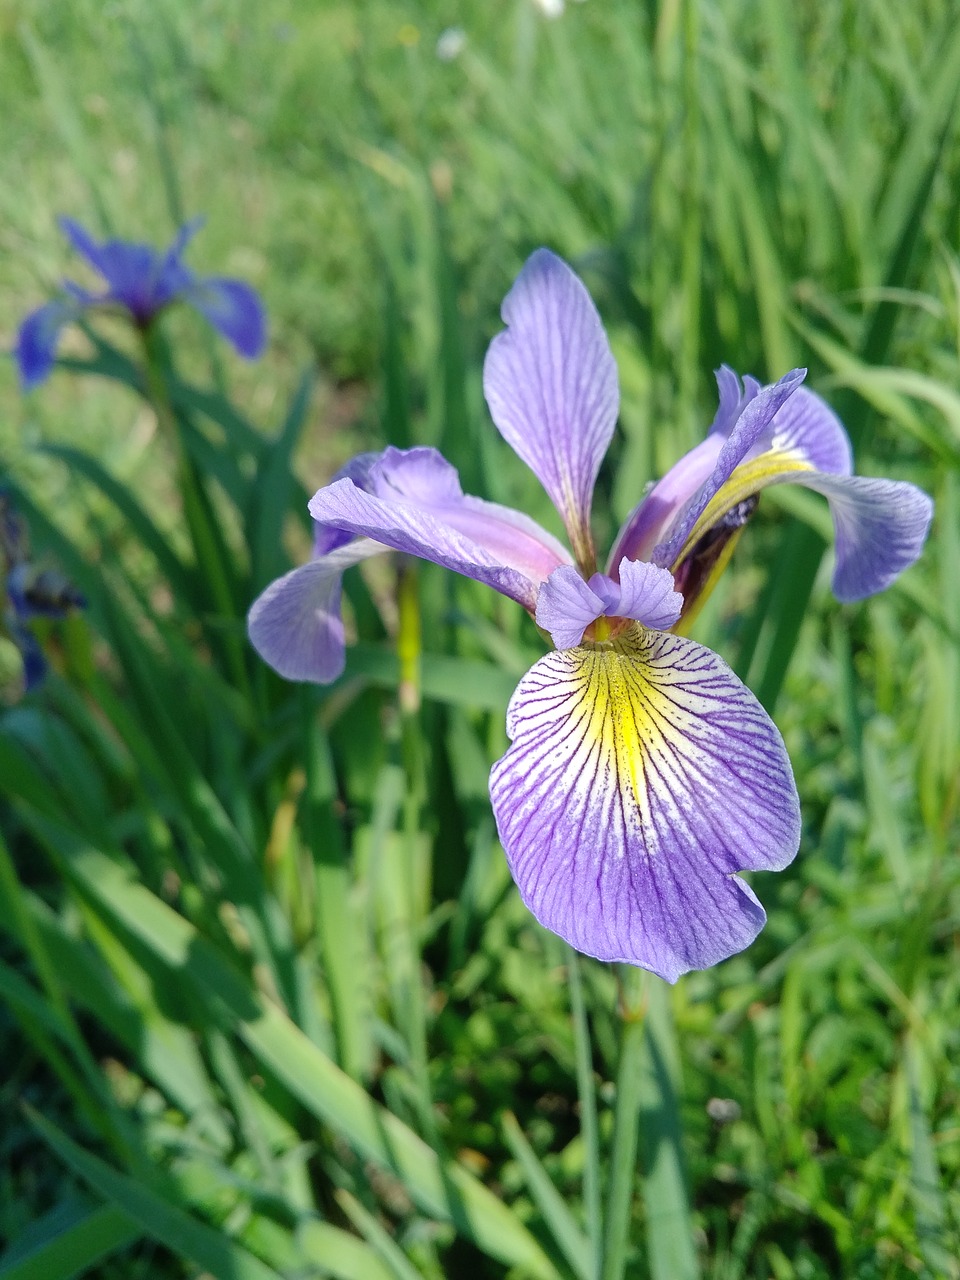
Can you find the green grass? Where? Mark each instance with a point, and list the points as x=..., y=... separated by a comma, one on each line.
x=269, y=1003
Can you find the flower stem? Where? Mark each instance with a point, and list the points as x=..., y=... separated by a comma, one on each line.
x=588, y=1109
x=209, y=548
x=670, y=1228
x=623, y=1159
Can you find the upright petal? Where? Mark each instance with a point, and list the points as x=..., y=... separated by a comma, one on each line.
x=806, y=428
x=38, y=339
x=567, y=605
x=551, y=384
x=753, y=428
x=415, y=504
x=83, y=243
x=295, y=624
x=744, y=422
x=234, y=309
x=641, y=777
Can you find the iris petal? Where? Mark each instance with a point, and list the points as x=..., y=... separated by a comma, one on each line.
x=567, y=605
x=807, y=428
x=743, y=422
x=880, y=528
x=551, y=383
x=752, y=428
x=295, y=624
x=415, y=505
x=39, y=338
x=234, y=310
x=641, y=777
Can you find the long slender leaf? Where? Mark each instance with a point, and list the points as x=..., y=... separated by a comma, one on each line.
x=154, y=1215
x=445, y=1191
x=73, y=1251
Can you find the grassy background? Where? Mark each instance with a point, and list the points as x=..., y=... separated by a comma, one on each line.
x=269, y=997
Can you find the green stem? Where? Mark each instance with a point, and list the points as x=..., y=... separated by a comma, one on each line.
x=670, y=1228
x=588, y=1109
x=623, y=1158
x=209, y=549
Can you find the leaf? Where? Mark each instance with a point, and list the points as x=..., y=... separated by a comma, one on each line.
x=445, y=1191
x=156, y=1216
x=73, y=1251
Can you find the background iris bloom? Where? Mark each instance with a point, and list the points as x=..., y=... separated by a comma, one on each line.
x=642, y=775
x=141, y=281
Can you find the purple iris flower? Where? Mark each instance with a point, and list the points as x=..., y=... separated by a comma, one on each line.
x=642, y=774
x=141, y=281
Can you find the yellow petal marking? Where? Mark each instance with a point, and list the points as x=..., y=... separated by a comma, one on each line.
x=747, y=479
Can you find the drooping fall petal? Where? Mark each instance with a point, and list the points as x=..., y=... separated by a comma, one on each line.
x=642, y=776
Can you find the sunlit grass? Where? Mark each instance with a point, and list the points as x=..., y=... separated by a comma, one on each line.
x=267, y=986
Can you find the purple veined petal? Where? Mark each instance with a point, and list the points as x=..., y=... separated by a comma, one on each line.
x=753, y=425
x=642, y=776
x=295, y=624
x=652, y=518
x=734, y=398
x=807, y=428
x=171, y=263
x=235, y=311
x=130, y=269
x=880, y=528
x=38, y=339
x=358, y=469
x=416, y=505
x=551, y=384
x=567, y=605
x=647, y=594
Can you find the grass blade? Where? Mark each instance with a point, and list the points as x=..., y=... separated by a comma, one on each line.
x=72, y=1252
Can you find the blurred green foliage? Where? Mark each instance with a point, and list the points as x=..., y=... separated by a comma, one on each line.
x=269, y=998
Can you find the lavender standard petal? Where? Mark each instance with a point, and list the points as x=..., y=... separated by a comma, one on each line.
x=83, y=243
x=688, y=486
x=567, y=605
x=752, y=425
x=551, y=383
x=647, y=594
x=807, y=428
x=641, y=777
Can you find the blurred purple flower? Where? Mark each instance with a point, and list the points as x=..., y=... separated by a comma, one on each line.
x=642, y=775
x=31, y=592
x=141, y=281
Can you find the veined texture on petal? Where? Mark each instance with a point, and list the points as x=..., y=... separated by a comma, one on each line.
x=551, y=383
x=642, y=776
x=753, y=428
x=662, y=524
x=411, y=500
